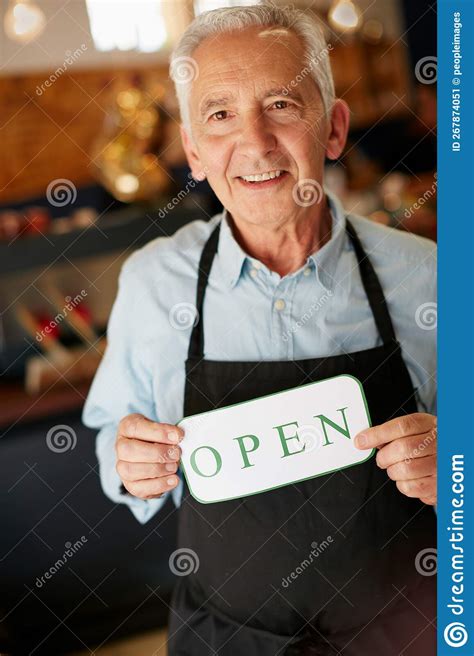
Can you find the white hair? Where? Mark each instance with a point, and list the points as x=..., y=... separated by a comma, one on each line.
x=183, y=68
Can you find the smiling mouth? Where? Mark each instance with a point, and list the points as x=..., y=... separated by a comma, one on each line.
x=261, y=180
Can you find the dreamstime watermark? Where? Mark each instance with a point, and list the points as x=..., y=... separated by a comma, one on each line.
x=183, y=562
x=317, y=548
x=307, y=192
x=71, y=549
x=421, y=448
x=61, y=192
x=426, y=562
x=311, y=436
x=70, y=59
x=183, y=316
x=429, y=193
x=184, y=70
x=69, y=306
x=426, y=70
x=190, y=185
x=426, y=316
x=455, y=634
x=314, y=61
x=61, y=438
x=317, y=305
x=171, y=452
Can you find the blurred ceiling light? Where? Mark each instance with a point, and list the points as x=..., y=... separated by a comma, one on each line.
x=372, y=30
x=126, y=25
x=206, y=5
x=344, y=16
x=24, y=21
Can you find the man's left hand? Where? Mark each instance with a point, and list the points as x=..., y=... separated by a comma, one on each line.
x=407, y=450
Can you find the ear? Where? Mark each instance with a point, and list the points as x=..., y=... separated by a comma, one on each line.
x=194, y=161
x=339, y=128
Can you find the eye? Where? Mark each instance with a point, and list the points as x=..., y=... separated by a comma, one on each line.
x=283, y=104
x=220, y=115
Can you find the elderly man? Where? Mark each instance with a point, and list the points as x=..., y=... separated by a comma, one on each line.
x=281, y=289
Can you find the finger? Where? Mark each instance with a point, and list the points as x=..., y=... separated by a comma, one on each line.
x=430, y=501
x=153, y=487
x=414, y=468
x=418, y=488
x=413, y=424
x=139, y=427
x=138, y=451
x=405, y=449
x=137, y=471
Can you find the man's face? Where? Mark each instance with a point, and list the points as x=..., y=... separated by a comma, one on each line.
x=244, y=124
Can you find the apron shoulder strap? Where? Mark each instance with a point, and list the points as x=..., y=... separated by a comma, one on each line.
x=196, y=343
x=373, y=289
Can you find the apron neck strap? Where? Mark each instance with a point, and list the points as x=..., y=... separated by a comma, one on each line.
x=373, y=289
x=370, y=281
x=196, y=343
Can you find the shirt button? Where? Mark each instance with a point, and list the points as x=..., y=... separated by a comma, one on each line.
x=279, y=304
x=253, y=272
x=307, y=271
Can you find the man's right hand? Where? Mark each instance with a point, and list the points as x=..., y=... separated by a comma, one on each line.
x=147, y=456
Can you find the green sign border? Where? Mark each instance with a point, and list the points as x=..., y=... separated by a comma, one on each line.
x=268, y=489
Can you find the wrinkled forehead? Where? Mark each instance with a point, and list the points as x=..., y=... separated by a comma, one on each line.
x=248, y=57
x=257, y=40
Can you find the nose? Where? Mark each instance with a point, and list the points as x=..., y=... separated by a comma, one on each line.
x=256, y=139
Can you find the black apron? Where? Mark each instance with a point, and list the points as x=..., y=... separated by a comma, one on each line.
x=258, y=591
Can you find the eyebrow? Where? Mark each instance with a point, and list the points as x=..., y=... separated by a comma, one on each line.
x=214, y=102
x=211, y=103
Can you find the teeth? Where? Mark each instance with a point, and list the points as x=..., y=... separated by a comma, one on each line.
x=261, y=177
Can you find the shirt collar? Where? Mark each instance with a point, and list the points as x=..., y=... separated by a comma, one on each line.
x=232, y=257
x=326, y=259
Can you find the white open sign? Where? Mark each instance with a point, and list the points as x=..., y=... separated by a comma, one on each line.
x=275, y=440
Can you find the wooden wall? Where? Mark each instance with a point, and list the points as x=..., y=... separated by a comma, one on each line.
x=48, y=134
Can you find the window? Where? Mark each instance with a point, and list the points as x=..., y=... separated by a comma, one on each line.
x=127, y=25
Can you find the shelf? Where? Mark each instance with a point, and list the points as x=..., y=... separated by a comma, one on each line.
x=128, y=228
x=18, y=407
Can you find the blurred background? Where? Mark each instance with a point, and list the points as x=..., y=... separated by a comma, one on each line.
x=90, y=157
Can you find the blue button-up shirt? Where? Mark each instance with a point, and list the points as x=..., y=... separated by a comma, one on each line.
x=251, y=313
